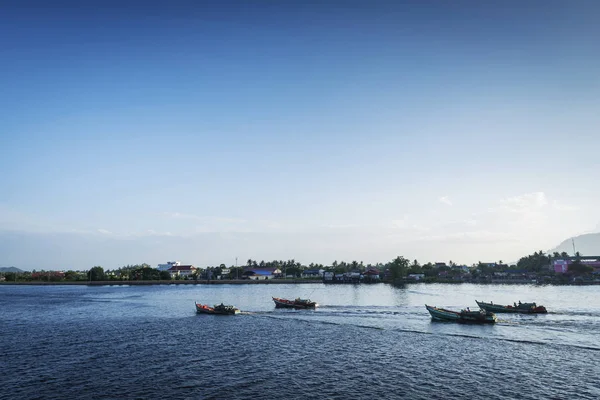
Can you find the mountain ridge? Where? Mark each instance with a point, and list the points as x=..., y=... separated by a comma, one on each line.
x=11, y=269
x=587, y=244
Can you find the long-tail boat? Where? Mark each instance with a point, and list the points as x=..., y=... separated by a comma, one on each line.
x=464, y=316
x=297, y=303
x=524, y=308
x=219, y=309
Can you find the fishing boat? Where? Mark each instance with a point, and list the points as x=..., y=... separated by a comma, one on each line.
x=296, y=303
x=464, y=316
x=219, y=309
x=525, y=308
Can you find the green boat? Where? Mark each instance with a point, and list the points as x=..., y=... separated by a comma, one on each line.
x=219, y=309
x=523, y=308
x=463, y=317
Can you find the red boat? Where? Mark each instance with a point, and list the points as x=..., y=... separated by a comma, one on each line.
x=297, y=303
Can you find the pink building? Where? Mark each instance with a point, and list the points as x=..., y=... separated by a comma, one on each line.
x=562, y=266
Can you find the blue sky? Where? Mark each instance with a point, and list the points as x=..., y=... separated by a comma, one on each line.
x=342, y=130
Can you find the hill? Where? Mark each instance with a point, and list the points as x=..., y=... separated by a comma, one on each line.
x=586, y=245
x=11, y=269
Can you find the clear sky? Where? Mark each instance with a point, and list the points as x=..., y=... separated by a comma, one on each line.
x=350, y=130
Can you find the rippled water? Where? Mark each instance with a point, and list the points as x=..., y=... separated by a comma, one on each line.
x=368, y=341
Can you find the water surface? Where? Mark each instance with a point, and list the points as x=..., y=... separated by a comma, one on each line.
x=363, y=341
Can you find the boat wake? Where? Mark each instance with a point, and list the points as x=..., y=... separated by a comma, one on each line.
x=357, y=319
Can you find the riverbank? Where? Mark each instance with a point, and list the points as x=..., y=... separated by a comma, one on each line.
x=165, y=282
x=293, y=282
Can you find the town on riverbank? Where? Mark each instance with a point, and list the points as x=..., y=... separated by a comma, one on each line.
x=537, y=268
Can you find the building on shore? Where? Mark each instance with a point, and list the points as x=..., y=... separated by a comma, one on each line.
x=560, y=265
x=182, y=271
x=313, y=273
x=168, y=265
x=261, y=273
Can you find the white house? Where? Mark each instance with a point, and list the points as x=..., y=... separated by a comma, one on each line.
x=168, y=265
x=313, y=273
x=184, y=271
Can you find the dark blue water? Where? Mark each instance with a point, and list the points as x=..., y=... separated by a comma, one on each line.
x=370, y=341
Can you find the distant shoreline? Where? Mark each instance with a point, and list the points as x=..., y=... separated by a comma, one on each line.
x=166, y=283
x=275, y=282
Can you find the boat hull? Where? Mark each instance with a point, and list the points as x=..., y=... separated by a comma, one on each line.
x=216, y=310
x=463, y=317
x=297, y=304
x=523, y=308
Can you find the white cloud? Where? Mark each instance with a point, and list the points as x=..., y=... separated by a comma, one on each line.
x=563, y=207
x=178, y=215
x=190, y=224
x=482, y=236
x=445, y=200
x=509, y=228
x=525, y=203
x=152, y=232
x=470, y=222
x=104, y=231
x=406, y=223
x=340, y=226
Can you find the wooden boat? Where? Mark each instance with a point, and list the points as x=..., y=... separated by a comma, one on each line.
x=525, y=308
x=219, y=309
x=296, y=303
x=464, y=316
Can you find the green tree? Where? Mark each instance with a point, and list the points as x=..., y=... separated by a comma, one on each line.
x=579, y=268
x=295, y=271
x=10, y=276
x=236, y=272
x=165, y=275
x=96, y=273
x=429, y=270
x=415, y=268
x=536, y=262
x=399, y=268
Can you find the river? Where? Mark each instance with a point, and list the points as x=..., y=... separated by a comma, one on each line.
x=363, y=341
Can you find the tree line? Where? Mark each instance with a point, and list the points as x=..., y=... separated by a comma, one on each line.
x=396, y=269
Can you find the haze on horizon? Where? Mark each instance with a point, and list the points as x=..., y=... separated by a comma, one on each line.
x=137, y=132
